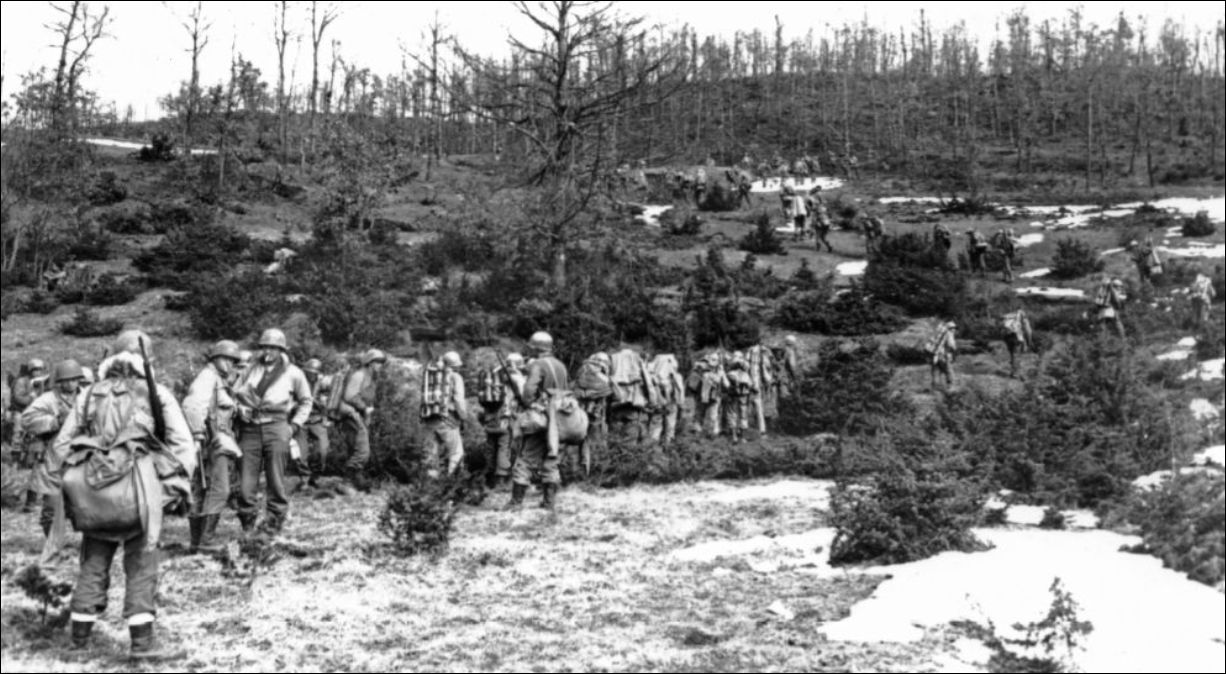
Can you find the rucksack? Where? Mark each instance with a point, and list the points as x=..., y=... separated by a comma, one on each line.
x=490, y=390
x=591, y=382
x=433, y=392
x=336, y=394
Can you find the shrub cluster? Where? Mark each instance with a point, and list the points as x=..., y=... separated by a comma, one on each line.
x=763, y=240
x=420, y=517
x=848, y=392
x=86, y=323
x=1184, y=524
x=1074, y=258
x=850, y=313
x=1198, y=225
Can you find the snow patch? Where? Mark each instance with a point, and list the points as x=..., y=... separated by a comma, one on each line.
x=1145, y=619
x=1029, y=240
x=1177, y=354
x=131, y=145
x=1215, y=207
x=1052, y=293
x=909, y=200
x=816, y=491
x=651, y=215
x=1111, y=251
x=1158, y=478
x=1203, y=410
x=801, y=185
x=1037, y=273
x=1206, y=251
x=1210, y=370
x=856, y=268
x=1213, y=456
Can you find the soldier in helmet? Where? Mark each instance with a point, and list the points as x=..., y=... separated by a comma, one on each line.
x=117, y=414
x=209, y=410
x=274, y=401
x=443, y=415
x=42, y=420
x=537, y=456
x=355, y=412
x=25, y=389
x=313, y=439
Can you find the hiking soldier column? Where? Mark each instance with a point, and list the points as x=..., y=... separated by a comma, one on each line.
x=274, y=401
x=209, y=410
x=313, y=438
x=545, y=373
x=498, y=392
x=355, y=411
x=444, y=409
x=123, y=457
x=42, y=421
x=25, y=390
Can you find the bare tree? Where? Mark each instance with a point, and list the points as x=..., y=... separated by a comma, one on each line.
x=281, y=37
x=196, y=28
x=435, y=39
x=80, y=28
x=320, y=20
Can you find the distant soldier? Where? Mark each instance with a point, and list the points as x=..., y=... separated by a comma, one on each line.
x=794, y=210
x=789, y=366
x=942, y=351
x=634, y=393
x=538, y=455
x=874, y=231
x=700, y=186
x=113, y=418
x=42, y=420
x=593, y=387
x=763, y=399
x=26, y=388
x=812, y=165
x=976, y=250
x=273, y=402
x=1109, y=300
x=1005, y=242
x=739, y=390
x=1018, y=336
x=706, y=383
x=1145, y=257
x=313, y=438
x=800, y=169
x=821, y=219
x=444, y=409
x=665, y=415
x=942, y=238
x=1202, y=294
x=208, y=409
x=355, y=412
x=498, y=393
x=742, y=182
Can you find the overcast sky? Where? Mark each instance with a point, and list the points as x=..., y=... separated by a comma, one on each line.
x=144, y=57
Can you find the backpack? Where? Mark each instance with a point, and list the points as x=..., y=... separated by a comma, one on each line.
x=336, y=395
x=591, y=382
x=491, y=392
x=433, y=392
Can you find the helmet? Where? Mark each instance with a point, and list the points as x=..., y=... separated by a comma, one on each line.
x=514, y=359
x=244, y=357
x=374, y=356
x=313, y=366
x=274, y=338
x=790, y=339
x=223, y=349
x=541, y=341
x=129, y=341
x=68, y=369
x=36, y=364
x=452, y=359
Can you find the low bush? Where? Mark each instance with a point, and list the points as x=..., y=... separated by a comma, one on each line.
x=763, y=240
x=86, y=323
x=1074, y=258
x=851, y=313
x=848, y=392
x=911, y=250
x=88, y=242
x=1198, y=225
x=975, y=204
x=40, y=302
x=1183, y=523
x=206, y=249
x=719, y=198
x=231, y=307
x=110, y=291
x=917, y=290
x=419, y=518
x=106, y=190
x=161, y=148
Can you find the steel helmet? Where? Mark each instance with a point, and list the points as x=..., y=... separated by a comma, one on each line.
x=274, y=338
x=314, y=366
x=224, y=349
x=514, y=359
x=36, y=364
x=541, y=341
x=452, y=359
x=374, y=356
x=129, y=341
x=68, y=369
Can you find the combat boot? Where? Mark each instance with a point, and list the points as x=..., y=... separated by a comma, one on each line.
x=549, y=500
x=145, y=645
x=31, y=501
x=247, y=522
x=518, y=491
x=195, y=527
x=82, y=631
x=209, y=544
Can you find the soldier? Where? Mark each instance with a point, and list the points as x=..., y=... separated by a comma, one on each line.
x=761, y=370
x=444, y=409
x=738, y=390
x=1018, y=336
x=118, y=416
x=537, y=455
x=789, y=366
x=700, y=186
x=942, y=239
x=25, y=390
x=593, y=387
x=1006, y=242
x=821, y=219
x=1202, y=294
x=498, y=393
x=874, y=230
x=1145, y=257
x=794, y=211
x=1109, y=299
x=274, y=401
x=707, y=383
x=943, y=350
x=245, y=359
x=42, y=420
x=663, y=418
x=313, y=439
x=976, y=249
x=357, y=407
x=209, y=411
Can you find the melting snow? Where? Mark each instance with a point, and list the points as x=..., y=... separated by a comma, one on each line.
x=651, y=215
x=1216, y=207
x=1052, y=293
x=909, y=200
x=1218, y=250
x=855, y=268
x=130, y=145
x=1028, y=515
x=1029, y=240
x=1037, y=273
x=806, y=542
x=1210, y=370
x=804, y=184
x=1111, y=251
x=1158, y=478
x=1145, y=618
x=1215, y=456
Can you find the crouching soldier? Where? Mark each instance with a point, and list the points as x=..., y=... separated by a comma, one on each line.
x=209, y=411
x=123, y=457
x=42, y=421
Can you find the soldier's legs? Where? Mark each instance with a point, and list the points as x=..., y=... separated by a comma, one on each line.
x=93, y=579
x=453, y=445
x=531, y=459
x=140, y=568
x=218, y=492
x=251, y=464
x=500, y=443
x=276, y=439
x=1008, y=271
x=318, y=435
x=711, y=415
x=671, y=417
x=430, y=447
x=46, y=514
x=361, y=443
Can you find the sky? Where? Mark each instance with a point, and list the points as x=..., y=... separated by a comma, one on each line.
x=144, y=57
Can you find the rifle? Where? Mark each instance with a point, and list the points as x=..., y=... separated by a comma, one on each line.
x=155, y=401
x=505, y=375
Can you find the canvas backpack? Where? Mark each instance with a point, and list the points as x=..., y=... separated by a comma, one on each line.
x=491, y=392
x=433, y=392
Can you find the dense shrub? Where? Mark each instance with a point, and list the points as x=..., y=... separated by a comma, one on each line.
x=106, y=190
x=848, y=392
x=110, y=291
x=86, y=323
x=1183, y=523
x=207, y=249
x=230, y=307
x=419, y=518
x=917, y=290
x=975, y=204
x=40, y=302
x=851, y=313
x=1198, y=225
x=921, y=500
x=87, y=242
x=720, y=197
x=161, y=148
x=1074, y=258
x=911, y=250
x=763, y=240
